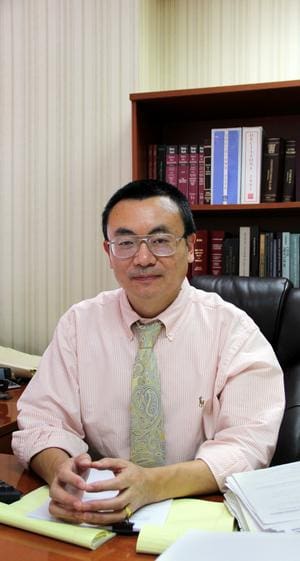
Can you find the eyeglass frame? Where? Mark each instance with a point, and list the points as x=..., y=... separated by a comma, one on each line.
x=144, y=239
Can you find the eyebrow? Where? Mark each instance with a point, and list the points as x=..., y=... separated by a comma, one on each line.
x=156, y=230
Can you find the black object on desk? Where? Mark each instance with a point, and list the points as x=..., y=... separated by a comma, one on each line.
x=8, y=493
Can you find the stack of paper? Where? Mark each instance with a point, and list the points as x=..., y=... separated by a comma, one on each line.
x=237, y=546
x=266, y=499
x=21, y=364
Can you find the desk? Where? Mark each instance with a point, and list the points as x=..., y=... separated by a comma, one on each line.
x=18, y=545
x=8, y=419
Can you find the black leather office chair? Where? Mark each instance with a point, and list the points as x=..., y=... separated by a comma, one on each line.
x=274, y=305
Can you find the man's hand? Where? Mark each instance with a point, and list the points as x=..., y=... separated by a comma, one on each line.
x=136, y=486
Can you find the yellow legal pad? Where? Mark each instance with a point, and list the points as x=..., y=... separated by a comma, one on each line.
x=15, y=514
x=184, y=515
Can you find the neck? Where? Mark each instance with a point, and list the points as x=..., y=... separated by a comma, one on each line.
x=150, y=309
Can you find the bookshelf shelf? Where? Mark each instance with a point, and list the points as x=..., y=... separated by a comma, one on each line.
x=187, y=116
x=261, y=207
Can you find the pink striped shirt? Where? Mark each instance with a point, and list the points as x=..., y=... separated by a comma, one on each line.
x=222, y=386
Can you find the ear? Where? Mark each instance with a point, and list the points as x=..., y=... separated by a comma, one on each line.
x=190, y=242
x=106, y=247
x=107, y=251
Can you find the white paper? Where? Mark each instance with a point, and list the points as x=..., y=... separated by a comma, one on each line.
x=155, y=513
x=233, y=546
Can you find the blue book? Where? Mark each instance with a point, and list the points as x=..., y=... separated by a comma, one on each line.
x=226, y=165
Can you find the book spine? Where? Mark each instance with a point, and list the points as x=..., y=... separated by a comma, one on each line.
x=219, y=165
x=272, y=170
x=161, y=162
x=294, y=259
x=230, y=257
x=279, y=254
x=207, y=169
x=216, y=251
x=251, y=164
x=244, y=256
x=234, y=165
x=254, y=250
x=200, y=263
x=286, y=254
x=193, y=175
x=171, y=164
x=201, y=177
x=183, y=168
x=150, y=161
x=289, y=174
x=262, y=254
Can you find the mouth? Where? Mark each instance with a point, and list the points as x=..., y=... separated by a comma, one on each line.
x=143, y=277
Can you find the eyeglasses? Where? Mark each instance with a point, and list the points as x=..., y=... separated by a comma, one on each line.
x=161, y=245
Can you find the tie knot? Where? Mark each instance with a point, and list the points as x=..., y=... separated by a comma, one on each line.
x=147, y=333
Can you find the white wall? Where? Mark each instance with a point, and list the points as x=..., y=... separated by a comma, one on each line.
x=67, y=68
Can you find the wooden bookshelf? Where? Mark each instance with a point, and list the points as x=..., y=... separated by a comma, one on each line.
x=187, y=116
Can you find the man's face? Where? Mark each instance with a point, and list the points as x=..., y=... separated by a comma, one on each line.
x=151, y=283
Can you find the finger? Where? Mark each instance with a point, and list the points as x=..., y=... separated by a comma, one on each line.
x=63, y=513
x=104, y=518
x=115, y=504
x=114, y=464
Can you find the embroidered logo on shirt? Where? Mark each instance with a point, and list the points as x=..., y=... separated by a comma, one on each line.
x=201, y=401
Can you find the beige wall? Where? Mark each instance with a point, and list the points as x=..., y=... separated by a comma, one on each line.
x=67, y=67
x=198, y=43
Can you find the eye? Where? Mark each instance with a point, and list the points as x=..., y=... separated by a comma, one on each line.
x=126, y=243
x=160, y=240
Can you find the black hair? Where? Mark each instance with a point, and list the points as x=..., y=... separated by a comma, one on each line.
x=144, y=189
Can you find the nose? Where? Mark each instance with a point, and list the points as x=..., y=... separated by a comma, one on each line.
x=144, y=256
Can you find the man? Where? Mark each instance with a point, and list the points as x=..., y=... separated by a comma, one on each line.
x=221, y=393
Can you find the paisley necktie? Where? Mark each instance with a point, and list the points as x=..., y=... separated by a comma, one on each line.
x=147, y=428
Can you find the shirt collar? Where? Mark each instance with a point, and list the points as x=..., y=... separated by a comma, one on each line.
x=171, y=318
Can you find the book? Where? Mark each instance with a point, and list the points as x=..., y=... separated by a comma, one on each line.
x=171, y=168
x=183, y=168
x=272, y=170
x=216, y=238
x=252, y=140
x=193, y=175
x=200, y=263
x=244, y=254
x=207, y=172
x=150, y=161
x=230, y=255
x=269, y=254
x=161, y=162
x=254, y=250
x=294, y=258
x=279, y=254
x=285, y=263
x=225, y=165
x=201, y=177
x=262, y=254
x=289, y=173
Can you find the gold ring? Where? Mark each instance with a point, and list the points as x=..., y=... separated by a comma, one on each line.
x=128, y=512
